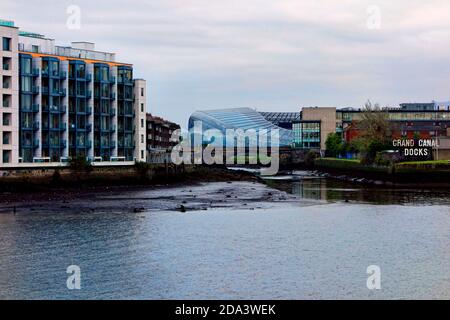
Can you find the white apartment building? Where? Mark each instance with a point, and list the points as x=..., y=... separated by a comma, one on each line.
x=64, y=102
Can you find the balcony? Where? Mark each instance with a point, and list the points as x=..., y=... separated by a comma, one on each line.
x=33, y=108
x=55, y=144
x=126, y=144
x=30, y=126
x=81, y=144
x=54, y=109
x=30, y=143
x=59, y=92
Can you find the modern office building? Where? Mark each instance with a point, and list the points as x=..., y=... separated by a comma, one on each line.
x=63, y=102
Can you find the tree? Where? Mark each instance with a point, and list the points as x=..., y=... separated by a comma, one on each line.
x=374, y=123
x=375, y=134
x=333, y=145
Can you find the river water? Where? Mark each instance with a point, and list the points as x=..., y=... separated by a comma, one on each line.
x=312, y=239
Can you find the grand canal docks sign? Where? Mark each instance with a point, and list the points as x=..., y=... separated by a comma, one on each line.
x=415, y=149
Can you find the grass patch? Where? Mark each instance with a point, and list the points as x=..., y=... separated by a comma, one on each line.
x=348, y=164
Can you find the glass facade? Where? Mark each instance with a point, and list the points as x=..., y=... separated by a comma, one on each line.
x=103, y=112
x=306, y=135
x=125, y=120
x=79, y=110
x=28, y=140
x=53, y=125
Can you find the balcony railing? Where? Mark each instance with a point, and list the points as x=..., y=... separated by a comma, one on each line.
x=54, y=109
x=30, y=126
x=31, y=143
x=126, y=144
x=81, y=144
x=55, y=144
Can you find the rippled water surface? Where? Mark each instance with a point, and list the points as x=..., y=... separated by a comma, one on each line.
x=318, y=246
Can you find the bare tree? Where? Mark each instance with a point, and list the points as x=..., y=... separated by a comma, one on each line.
x=374, y=122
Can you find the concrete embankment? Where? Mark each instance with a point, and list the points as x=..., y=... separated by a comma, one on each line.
x=24, y=180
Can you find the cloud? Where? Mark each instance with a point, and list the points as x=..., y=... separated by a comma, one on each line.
x=270, y=54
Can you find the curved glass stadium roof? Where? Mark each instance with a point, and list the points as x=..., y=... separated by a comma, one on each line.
x=278, y=117
x=238, y=118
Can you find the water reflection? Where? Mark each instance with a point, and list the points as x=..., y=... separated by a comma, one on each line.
x=333, y=190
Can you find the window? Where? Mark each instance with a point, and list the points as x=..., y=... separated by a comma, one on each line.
x=6, y=44
x=35, y=48
x=26, y=84
x=142, y=123
x=6, y=156
x=142, y=138
x=142, y=154
x=25, y=66
x=6, y=63
x=6, y=119
x=142, y=92
x=142, y=107
x=6, y=137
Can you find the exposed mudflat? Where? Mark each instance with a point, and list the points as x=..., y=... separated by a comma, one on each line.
x=202, y=196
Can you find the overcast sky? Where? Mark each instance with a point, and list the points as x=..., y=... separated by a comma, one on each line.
x=274, y=55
